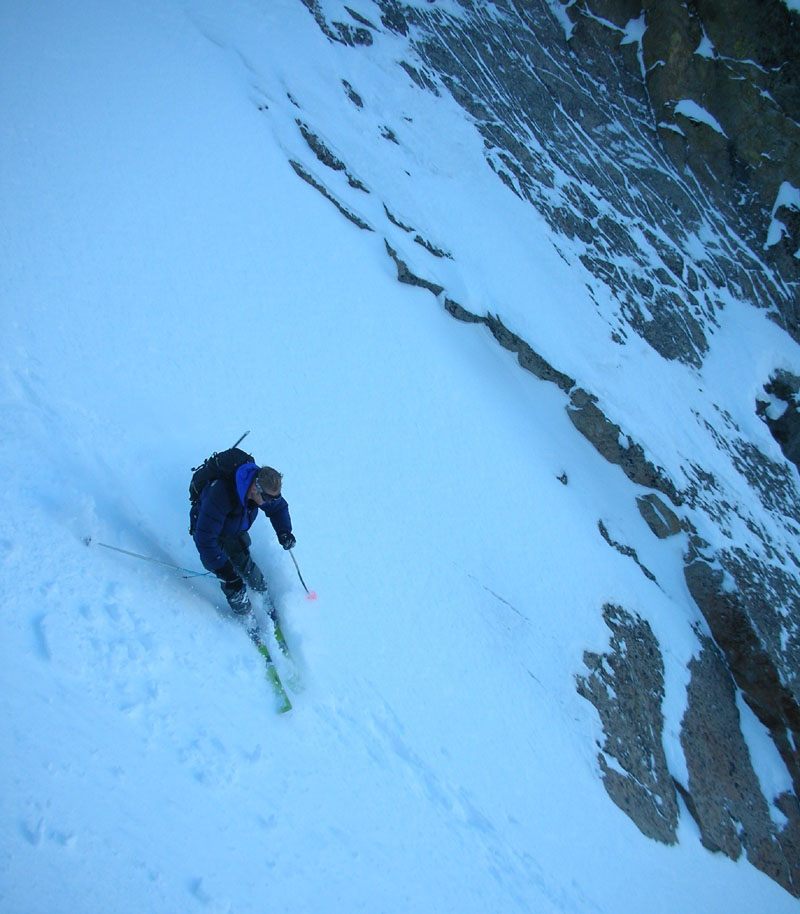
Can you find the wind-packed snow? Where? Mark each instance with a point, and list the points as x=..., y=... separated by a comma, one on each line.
x=634, y=33
x=689, y=108
x=706, y=47
x=168, y=282
x=788, y=196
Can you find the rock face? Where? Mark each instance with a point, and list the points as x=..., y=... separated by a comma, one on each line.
x=723, y=80
x=737, y=61
x=662, y=520
x=626, y=685
x=725, y=794
x=659, y=140
x=779, y=411
x=607, y=437
x=733, y=616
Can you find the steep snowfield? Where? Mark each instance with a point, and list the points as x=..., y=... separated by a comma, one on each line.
x=167, y=283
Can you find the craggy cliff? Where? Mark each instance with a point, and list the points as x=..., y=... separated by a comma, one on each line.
x=723, y=85
x=660, y=142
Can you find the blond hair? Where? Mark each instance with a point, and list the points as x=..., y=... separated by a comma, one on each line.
x=269, y=479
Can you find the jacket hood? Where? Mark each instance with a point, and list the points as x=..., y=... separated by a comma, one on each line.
x=244, y=477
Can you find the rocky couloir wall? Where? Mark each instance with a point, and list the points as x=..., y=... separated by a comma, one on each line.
x=636, y=129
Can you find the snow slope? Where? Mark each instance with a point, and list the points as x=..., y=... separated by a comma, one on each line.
x=167, y=283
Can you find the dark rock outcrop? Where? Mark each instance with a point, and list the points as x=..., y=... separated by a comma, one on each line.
x=326, y=156
x=306, y=175
x=733, y=613
x=726, y=798
x=783, y=387
x=723, y=82
x=661, y=519
x=738, y=62
x=626, y=685
x=529, y=359
x=607, y=437
x=627, y=551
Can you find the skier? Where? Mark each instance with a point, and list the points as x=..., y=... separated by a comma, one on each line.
x=224, y=514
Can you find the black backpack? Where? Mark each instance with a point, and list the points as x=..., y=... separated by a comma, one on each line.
x=222, y=465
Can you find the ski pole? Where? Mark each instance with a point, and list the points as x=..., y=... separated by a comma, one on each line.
x=241, y=439
x=146, y=558
x=311, y=594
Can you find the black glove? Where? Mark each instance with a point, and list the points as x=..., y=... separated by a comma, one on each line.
x=286, y=539
x=227, y=574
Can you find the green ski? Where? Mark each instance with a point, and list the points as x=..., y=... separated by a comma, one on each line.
x=280, y=639
x=283, y=647
x=282, y=703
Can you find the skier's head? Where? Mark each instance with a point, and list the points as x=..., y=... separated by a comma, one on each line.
x=267, y=483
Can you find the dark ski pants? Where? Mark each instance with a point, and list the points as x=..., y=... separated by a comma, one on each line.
x=237, y=548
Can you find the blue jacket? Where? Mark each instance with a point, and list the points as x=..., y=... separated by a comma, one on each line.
x=220, y=515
